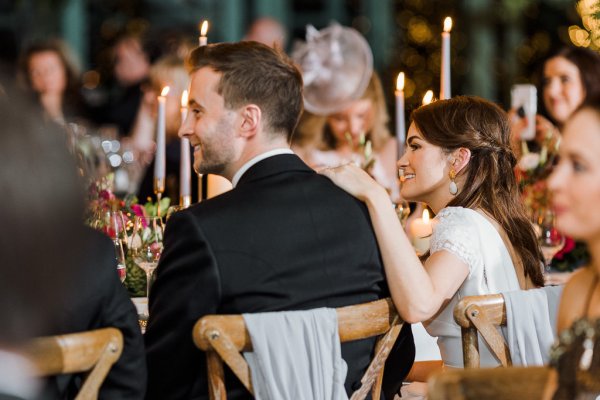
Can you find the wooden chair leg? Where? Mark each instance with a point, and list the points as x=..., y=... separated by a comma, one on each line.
x=216, y=377
x=470, y=347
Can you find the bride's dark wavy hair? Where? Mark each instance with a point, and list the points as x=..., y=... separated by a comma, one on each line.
x=490, y=184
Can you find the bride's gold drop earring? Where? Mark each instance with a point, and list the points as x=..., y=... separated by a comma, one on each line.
x=453, y=187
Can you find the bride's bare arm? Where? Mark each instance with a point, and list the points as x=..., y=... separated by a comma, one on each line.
x=418, y=290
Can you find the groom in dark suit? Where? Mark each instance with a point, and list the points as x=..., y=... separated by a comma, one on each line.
x=285, y=238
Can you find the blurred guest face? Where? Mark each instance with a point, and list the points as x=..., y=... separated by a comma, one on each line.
x=563, y=88
x=131, y=63
x=172, y=106
x=425, y=169
x=354, y=120
x=210, y=126
x=575, y=181
x=47, y=73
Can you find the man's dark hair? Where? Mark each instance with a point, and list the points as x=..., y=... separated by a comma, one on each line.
x=253, y=73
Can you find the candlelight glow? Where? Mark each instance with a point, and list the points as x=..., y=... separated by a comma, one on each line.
x=400, y=82
x=184, y=99
x=447, y=24
x=204, y=28
x=428, y=97
x=426, y=216
x=164, y=91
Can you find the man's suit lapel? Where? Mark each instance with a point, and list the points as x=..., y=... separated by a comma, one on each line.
x=272, y=166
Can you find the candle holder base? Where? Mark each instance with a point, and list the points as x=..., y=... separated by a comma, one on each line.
x=159, y=185
x=185, y=201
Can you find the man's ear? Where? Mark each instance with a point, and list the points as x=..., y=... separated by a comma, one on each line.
x=251, y=116
x=460, y=158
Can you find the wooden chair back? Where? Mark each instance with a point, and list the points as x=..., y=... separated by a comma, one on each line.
x=481, y=315
x=489, y=383
x=223, y=337
x=93, y=352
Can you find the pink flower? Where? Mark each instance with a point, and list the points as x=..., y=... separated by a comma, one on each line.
x=138, y=210
x=567, y=248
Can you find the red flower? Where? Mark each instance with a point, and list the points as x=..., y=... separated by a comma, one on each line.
x=138, y=210
x=567, y=248
x=106, y=195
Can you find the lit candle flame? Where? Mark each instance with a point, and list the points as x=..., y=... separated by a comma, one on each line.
x=184, y=99
x=204, y=28
x=447, y=24
x=426, y=216
x=428, y=97
x=400, y=82
x=164, y=91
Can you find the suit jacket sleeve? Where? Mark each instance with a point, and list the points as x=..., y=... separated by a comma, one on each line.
x=127, y=378
x=186, y=288
x=99, y=300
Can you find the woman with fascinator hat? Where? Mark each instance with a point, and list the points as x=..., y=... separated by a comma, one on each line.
x=345, y=118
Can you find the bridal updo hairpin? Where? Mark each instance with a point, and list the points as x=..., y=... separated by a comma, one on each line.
x=336, y=64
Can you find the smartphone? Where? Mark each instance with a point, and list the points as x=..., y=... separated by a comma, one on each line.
x=524, y=100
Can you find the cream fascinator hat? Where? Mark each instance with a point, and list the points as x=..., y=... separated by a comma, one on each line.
x=336, y=64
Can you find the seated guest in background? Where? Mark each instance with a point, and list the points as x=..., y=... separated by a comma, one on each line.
x=458, y=161
x=268, y=31
x=57, y=276
x=569, y=77
x=337, y=137
x=575, y=188
x=131, y=66
x=48, y=70
x=285, y=238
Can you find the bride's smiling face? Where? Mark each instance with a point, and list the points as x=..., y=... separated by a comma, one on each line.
x=425, y=168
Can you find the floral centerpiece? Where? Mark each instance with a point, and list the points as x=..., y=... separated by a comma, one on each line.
x=102, y=199
x=532, y=171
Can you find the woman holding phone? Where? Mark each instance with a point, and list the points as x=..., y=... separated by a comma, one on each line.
x=569, y=78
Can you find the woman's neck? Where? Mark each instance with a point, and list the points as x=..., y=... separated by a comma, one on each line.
x=594, y=249
x=52, y=103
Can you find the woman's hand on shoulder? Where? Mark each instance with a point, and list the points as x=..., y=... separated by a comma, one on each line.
x=354, y=181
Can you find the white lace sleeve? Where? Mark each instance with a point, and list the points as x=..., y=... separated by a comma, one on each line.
x=455, y=233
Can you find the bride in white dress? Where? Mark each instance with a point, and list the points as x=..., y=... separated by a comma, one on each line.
x=458, y=161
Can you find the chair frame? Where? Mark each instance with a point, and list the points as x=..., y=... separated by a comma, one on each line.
x=223, y=337
x=93, y=352
x=489, y=383
x=482, y=314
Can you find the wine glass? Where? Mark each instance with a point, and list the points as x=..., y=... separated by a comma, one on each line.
x=403, y=211
x=146, y=245
x=551, y=241
x=112, y=223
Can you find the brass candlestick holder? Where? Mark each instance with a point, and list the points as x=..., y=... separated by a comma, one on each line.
x=159, y=189
x=185, y=201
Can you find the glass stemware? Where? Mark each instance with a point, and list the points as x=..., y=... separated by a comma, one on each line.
x=112, y=223
x=403, y=211
x=551, y=241
x=146, y=245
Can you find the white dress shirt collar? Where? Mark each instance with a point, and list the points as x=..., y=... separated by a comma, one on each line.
x=260, y=157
